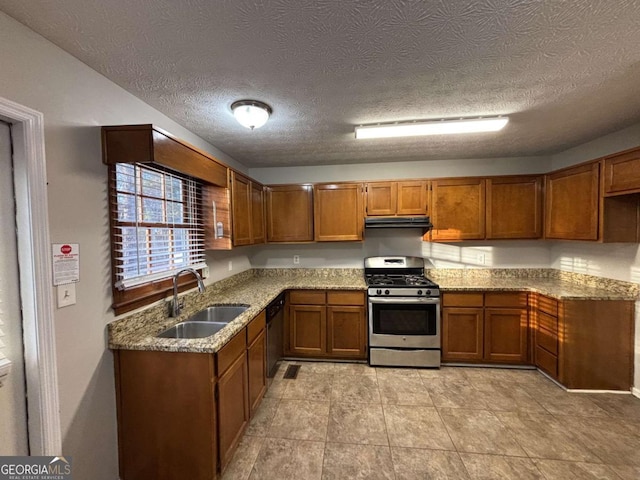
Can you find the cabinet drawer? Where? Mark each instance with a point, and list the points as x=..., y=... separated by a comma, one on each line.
x=256, y=326
x=505, y=299
x=547, y=362
x=307, y=297
x=462, y=299
x=548, y=322
x=231, y=351
x=547, y=340
x=345, y=298
x=548, y=305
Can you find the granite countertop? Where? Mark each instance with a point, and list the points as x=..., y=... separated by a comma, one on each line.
x=138, y=332
x=258, y=288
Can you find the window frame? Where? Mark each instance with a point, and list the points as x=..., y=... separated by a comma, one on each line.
x=134, y=297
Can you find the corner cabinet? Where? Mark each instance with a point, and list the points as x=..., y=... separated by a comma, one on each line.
x=328, y=323
x=338, y=212
x=458, y=209
x=599, y=355
x=289, y=213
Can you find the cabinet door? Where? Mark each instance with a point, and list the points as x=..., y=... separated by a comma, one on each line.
x=571, y=208
x=241, y=204
x=216, y=209
x=346, y=331
x=462, y=334
x=514, y=207
x=338, y=212
x=622, y=173
x=458, y=209
x=233, y=407
x=257, y=364
x=257, y=214
x=382, y=198
x=308, y=330
x=290, y=213
x=505, y=335
x=412, y=198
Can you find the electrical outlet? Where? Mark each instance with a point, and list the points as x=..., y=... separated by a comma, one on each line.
x=230, y=265
x=296, y=259
x=481, y=258
x=205, y=272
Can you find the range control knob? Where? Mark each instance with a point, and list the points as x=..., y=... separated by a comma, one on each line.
x=386, y=292
x=378, y=292
x=419, y=292
x=428, y=292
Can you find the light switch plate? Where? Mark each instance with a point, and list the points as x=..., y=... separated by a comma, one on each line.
x=66, y=295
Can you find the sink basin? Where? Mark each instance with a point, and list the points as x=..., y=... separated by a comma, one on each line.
x=193, y=330
x=218, y=313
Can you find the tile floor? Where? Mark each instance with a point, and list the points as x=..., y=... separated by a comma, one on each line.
x=351, y=421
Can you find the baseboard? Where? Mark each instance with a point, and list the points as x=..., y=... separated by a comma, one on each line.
x=636, y=392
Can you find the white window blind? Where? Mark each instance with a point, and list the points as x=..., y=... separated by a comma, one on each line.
x=158, y=228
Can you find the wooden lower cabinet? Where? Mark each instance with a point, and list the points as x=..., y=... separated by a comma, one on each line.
x=307, y=330
x=233, y=401
x=505, y=335
x=489, y=328
x=257, y=360
x=323, y=323
x=346, y=331
x=166, y=415
x=462, y=334
x=585, y=344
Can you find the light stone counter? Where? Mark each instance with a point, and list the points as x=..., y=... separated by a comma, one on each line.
x=258, y=288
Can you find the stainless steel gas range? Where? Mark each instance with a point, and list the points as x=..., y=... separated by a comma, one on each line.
x=404, y=313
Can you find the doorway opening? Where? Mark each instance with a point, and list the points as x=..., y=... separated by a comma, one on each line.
x=35, y=290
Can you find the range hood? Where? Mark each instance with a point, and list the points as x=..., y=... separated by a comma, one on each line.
x=398, y=222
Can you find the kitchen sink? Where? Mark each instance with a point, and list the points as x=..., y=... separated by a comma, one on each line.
x=193, y=330
x=218, y=313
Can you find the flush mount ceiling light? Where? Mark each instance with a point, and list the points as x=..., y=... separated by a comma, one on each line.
x=432, y=127
x=251, y=113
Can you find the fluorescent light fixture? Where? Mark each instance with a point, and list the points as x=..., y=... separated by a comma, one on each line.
x=432, y=127
x=251, y=113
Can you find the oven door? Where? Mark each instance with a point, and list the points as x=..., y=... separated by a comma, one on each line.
x=405, y=322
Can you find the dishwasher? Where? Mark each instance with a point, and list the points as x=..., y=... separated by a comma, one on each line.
x=275, y=334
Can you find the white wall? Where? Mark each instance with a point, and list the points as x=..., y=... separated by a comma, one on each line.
x=75, y=101
x=402, y=170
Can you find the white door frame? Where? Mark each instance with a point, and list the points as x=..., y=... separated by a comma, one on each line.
x=36, y=291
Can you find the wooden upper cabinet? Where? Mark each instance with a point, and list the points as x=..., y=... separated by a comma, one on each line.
x=571, y=207
x=241, y=204
x=382, y=198
x=622, y=173
x=397, y=198
x=248, y=210
x=258, y=234
x=458, y=209
x=514, y=207
x=290, y=213
x=338, y=212
x=150, y=144
x=412, y=198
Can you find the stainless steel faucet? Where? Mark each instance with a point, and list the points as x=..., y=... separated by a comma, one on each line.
x=177, y=306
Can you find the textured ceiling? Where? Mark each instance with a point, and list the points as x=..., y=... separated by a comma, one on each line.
x=565, y=71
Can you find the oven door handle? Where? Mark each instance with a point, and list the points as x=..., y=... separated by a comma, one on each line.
x=404, y=300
